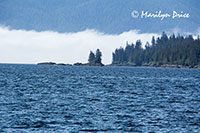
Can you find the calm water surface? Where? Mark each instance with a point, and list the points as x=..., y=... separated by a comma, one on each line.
x=99, y=99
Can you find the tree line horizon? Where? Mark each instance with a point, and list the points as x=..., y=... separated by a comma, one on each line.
x=172, y=50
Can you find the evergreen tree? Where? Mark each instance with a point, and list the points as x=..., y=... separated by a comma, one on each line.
x=153, y=42
x=91, y=59
x=98, y=56
x=138, y=45
x=164, y=37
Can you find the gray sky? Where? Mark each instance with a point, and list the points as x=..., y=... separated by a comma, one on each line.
x=20, y=46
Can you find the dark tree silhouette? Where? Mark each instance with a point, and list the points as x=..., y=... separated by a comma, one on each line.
x=98, y=56
x=95, y=58
x=171, y=50
x=91, y=59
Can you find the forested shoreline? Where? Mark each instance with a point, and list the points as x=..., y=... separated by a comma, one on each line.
x=165, y=51
x=173, y=51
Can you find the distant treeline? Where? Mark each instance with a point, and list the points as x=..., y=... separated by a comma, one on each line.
x=173, y=50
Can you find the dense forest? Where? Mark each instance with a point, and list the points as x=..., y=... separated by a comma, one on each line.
x=173, y=50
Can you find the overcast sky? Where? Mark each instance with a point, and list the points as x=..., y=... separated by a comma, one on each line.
x=66, y=31
x=20, y=46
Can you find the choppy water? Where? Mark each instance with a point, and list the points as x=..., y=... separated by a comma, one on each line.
x=105, y=99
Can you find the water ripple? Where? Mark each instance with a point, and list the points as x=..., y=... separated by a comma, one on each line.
x=98, y=99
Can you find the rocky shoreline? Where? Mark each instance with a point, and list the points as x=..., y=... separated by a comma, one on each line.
x=156, y=65
x=75, y=64
x=53, y=64
x=88, y=64
x=130, y=65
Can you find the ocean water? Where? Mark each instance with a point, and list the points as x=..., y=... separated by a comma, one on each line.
x=98, y=99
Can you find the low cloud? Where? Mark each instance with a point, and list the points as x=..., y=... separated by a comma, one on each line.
x=21, y=46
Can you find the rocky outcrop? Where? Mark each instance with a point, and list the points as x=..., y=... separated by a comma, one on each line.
x=88, y=64
x=53, y=63
x=47, y=63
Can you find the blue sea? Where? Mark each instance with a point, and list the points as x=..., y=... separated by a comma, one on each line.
x=45, y=99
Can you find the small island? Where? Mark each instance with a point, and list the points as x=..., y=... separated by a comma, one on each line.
x=47, y=63
x=94, y=59
x=53, y=64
